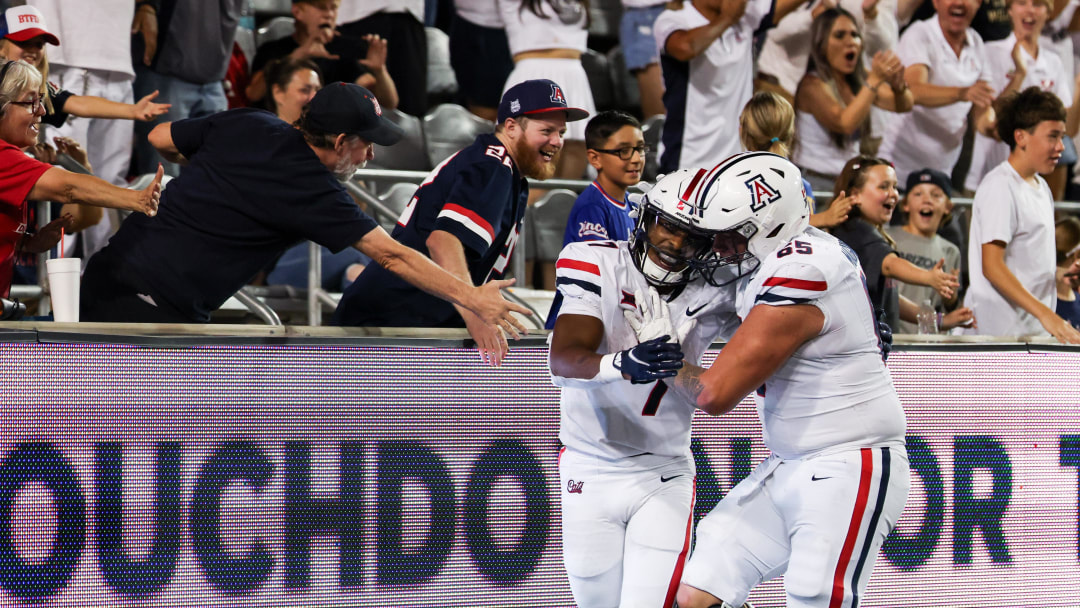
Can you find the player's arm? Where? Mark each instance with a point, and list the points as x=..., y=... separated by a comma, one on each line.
x=447, y=251
x=1006, y=283
x=415, y=268
x=574, y=342
x=767, y=338
x=162, y=140
x=575, y=363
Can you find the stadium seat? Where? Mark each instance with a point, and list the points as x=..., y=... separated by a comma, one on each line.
x=245, y=39
x=442, y=85
x=625, y=87
x=274, y=29
x=409, y=154
x=396, y=198
x=548, y=226
x=596, y=68
x=651, y=129
x=449, y=128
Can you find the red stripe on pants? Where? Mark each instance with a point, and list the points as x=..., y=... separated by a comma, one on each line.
x=673, y=586
x=853, y=528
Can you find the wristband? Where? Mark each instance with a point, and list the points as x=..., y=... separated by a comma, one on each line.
x=608, y=372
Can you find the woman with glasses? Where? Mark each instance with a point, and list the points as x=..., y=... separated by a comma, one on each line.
x=24, y=179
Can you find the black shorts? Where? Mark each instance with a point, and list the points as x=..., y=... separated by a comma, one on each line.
x=481, y=60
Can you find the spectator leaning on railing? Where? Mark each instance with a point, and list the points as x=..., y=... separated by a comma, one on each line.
x=253, y=185
x=24, y=179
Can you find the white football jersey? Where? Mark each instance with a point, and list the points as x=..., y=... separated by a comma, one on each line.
x=619, y=419
x=835, y=391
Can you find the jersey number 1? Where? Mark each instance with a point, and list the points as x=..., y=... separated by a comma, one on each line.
x=653, y=402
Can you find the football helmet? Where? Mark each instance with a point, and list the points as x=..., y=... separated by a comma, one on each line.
x=752, y=204
x=668, y=218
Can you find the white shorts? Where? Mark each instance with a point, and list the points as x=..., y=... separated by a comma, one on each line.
x=568, y=74
x=819, y=522
x=626, y=528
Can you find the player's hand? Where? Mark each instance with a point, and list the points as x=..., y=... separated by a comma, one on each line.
x=150, y=197
x=650, y=361
x=488, y=304
x=490, y=340
x=651, y=318
x=146, y=110
x=943, y=282
x=961, y=317
x=885, y=333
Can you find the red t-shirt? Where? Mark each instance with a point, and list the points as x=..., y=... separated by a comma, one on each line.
x=18, y=174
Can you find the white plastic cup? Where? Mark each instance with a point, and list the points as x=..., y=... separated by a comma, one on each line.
x=64, y=276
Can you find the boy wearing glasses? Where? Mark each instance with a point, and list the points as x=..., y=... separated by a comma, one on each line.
x=616, y=149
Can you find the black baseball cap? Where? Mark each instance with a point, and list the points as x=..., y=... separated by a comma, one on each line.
x=930, y=176
x=351, y=109
x=536, y=97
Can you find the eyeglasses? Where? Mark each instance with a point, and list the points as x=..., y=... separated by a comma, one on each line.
x=626, y=153
x=34, y=104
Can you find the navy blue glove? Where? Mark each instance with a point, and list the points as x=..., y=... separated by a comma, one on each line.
x=650, y=361
x=885, y=333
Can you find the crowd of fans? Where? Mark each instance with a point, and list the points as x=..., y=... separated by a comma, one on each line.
x=887, y=106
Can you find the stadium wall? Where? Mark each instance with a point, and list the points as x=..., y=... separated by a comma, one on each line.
x=405, y=473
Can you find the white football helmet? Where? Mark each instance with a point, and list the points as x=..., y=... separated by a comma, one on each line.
x=753, y=203
x=672, y=205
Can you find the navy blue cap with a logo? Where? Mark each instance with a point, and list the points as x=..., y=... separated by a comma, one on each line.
x=351, y=109
x=536, y=97
x=930, y=176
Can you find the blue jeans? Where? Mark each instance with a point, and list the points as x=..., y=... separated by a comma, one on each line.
x=189, y=100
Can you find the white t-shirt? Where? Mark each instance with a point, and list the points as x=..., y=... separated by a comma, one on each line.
x=924, y=133
x=1010, y=210
x=484, y=13
x=835, y=391
x=93, y=35
x=1044, y=71
x=816, y=150
x=525, y=31
x=355, y=10
x=706, y=94
x=610, y=420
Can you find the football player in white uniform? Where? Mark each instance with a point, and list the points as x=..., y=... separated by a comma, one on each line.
x=818, y=509
x=626, y=471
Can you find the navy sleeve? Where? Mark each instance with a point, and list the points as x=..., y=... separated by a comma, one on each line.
x=334, y=221
x=188, y=134
x=475, y=205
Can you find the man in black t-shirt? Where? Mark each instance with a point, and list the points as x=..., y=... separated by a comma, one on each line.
x=253, y=186
x=362, y=61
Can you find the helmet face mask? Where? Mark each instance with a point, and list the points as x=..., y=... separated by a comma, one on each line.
x=666, y=221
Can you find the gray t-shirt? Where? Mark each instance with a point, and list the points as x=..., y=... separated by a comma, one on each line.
x=198, y=42
x=924, y=253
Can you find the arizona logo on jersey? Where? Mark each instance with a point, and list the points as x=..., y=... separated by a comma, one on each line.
x=761, y=193
x=557, y=94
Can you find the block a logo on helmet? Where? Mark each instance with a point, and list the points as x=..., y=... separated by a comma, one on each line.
x=752, y=204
